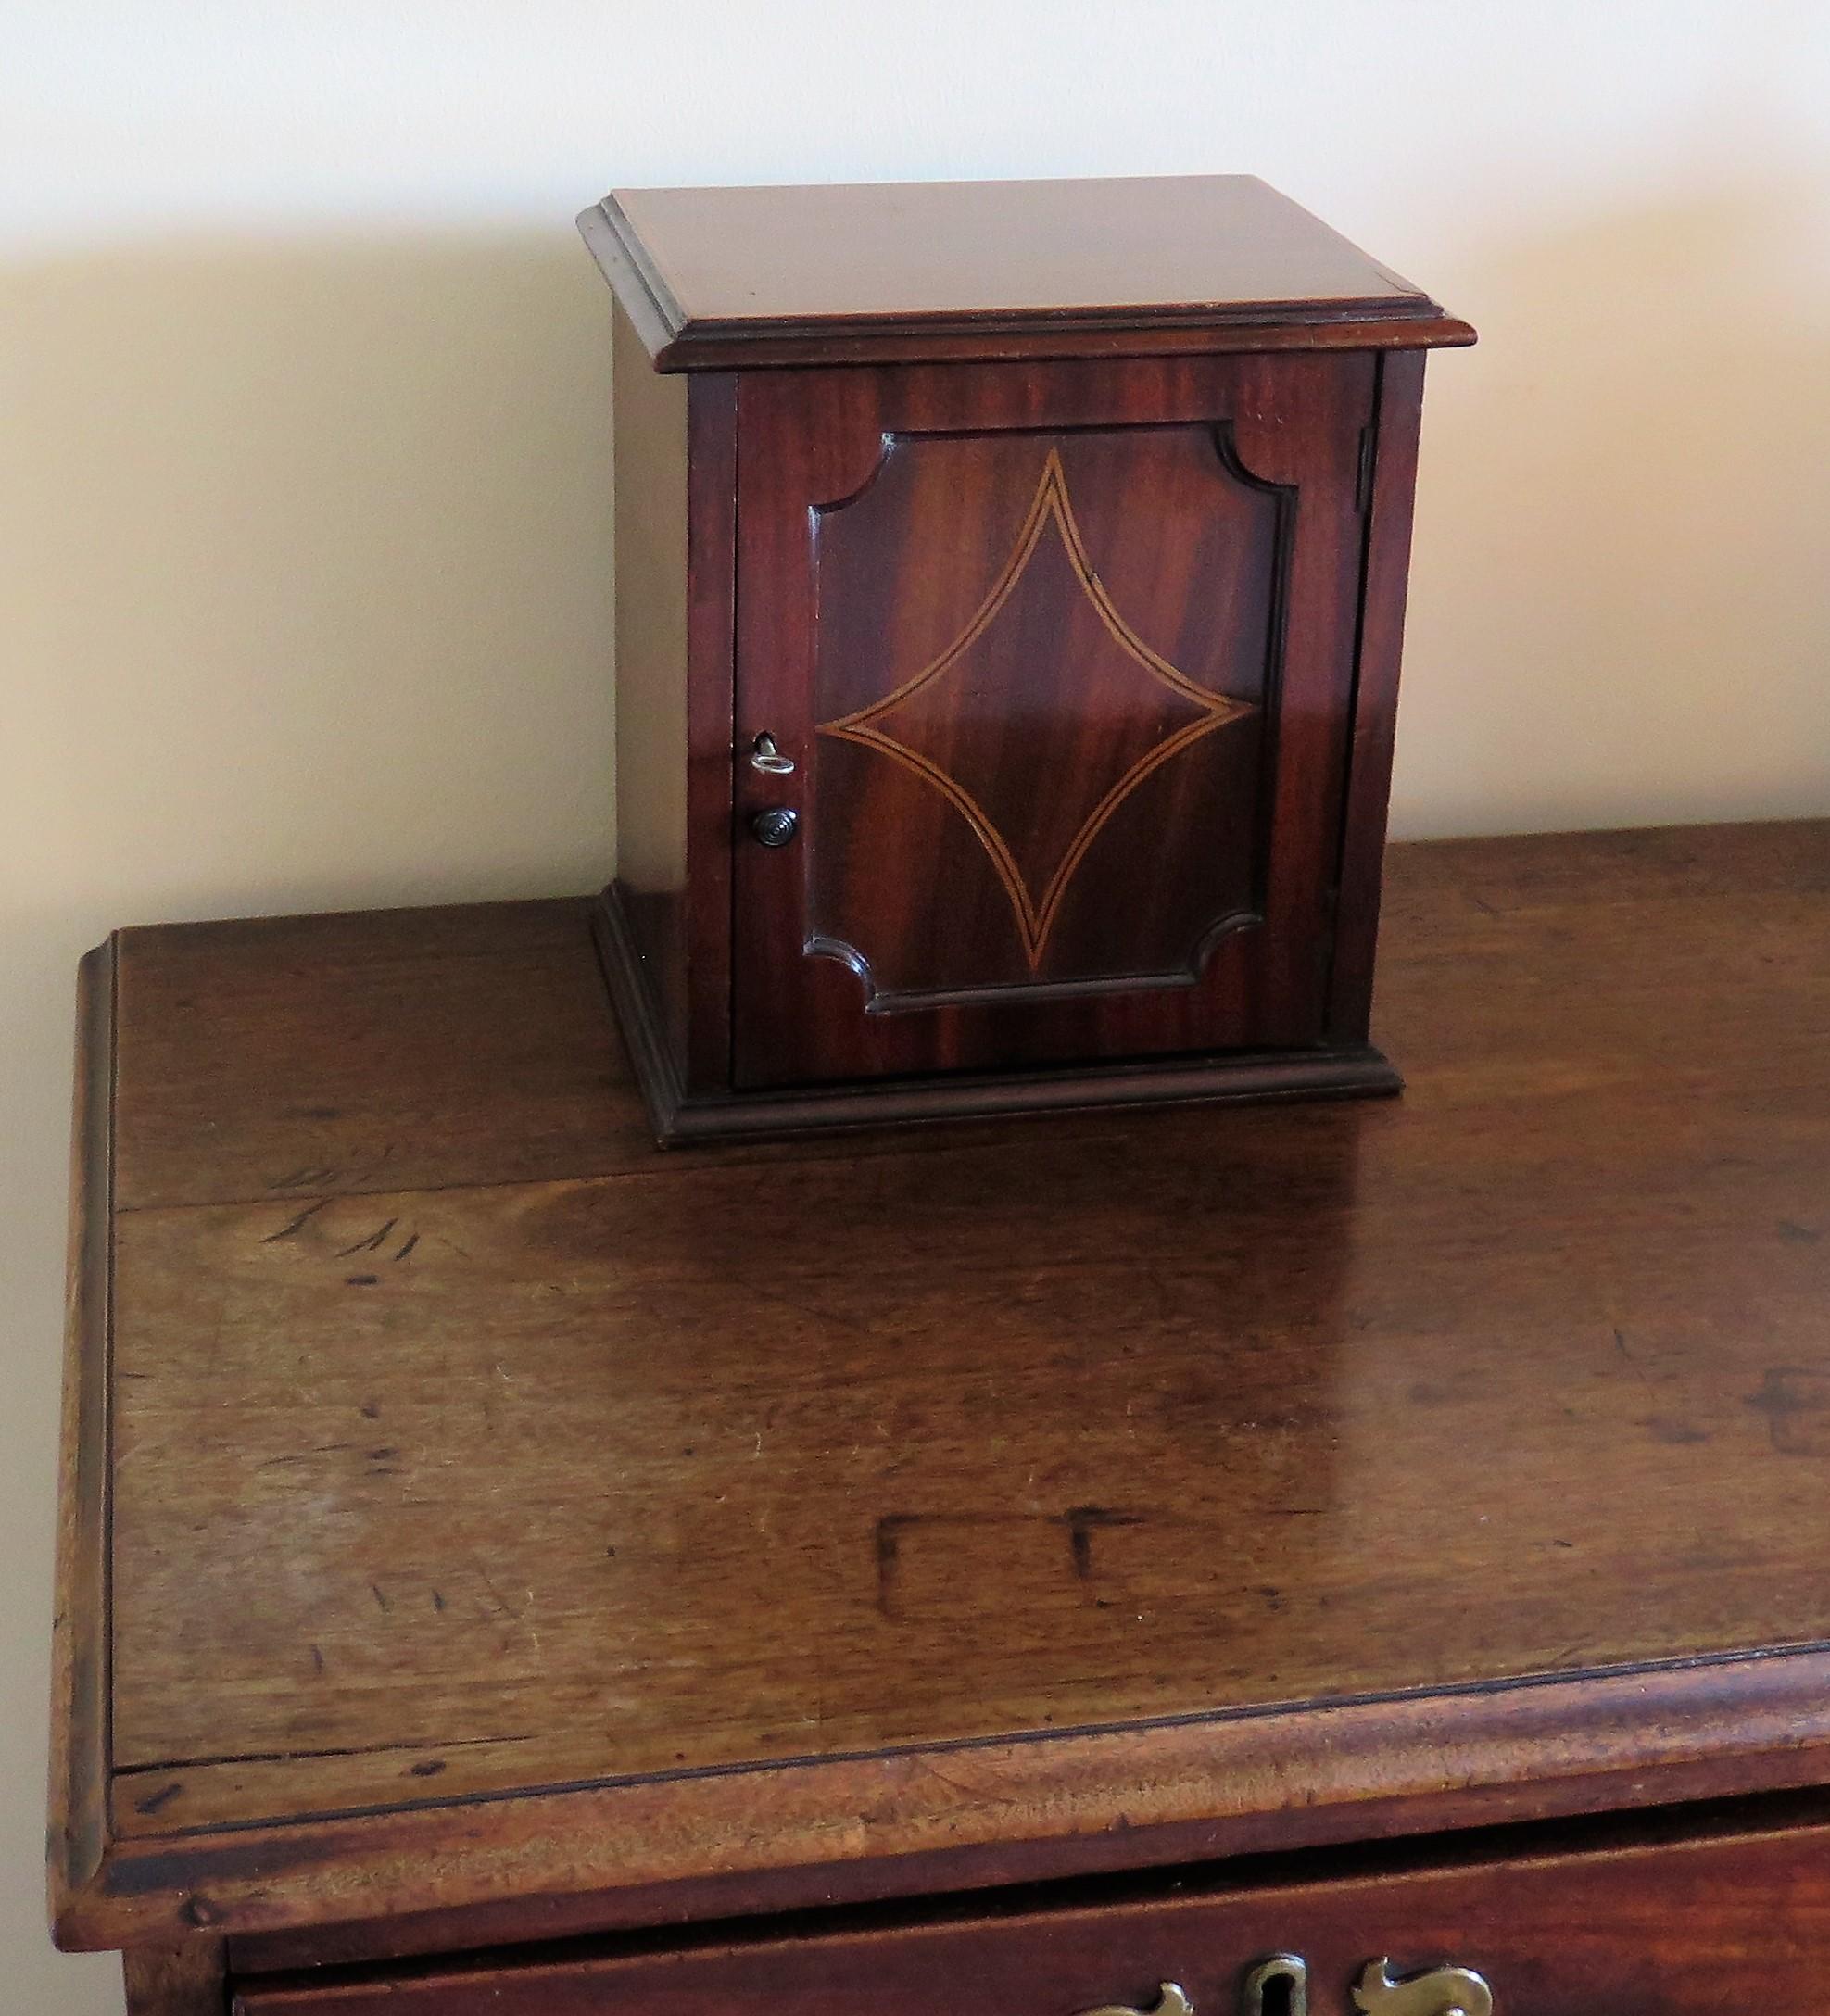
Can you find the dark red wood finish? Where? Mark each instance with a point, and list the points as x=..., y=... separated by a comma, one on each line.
x=1067, y=567
x=675, y=442
x=1391, y=483
x=1065, y=655
x=1646, y=1923
x=941, y=271
x=475, y=1534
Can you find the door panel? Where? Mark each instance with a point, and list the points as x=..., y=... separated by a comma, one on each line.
x=1062, y=658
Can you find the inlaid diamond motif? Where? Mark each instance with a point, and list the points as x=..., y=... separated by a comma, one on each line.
x=1047, y=657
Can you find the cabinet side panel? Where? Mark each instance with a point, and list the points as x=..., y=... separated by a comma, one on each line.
x=649, y=425
x=1382, y=634
x=712, y=453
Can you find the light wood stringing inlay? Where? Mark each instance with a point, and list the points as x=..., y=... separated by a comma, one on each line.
x=1035, y=916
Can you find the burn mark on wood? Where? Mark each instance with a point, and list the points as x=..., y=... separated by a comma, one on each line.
x=890, y=1531
x=1080, y=1522
x=1795, y=1400
x=1667, y=1428
x=1083, y=1522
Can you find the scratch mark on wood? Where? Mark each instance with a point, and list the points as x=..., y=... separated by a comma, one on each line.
x=502, y=1603
x=301, y=1456
x=402, y=1745
x=1628, y=1359
x=972, y=1792
x=373, y=1243
x=294, y=1225
x=155, y=1802
x=412, y=1241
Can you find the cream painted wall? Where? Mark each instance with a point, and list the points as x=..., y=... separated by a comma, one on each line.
x=303, y=506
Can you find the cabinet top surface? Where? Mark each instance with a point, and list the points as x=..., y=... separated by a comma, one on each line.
x=465, y=1498
x=850, y=264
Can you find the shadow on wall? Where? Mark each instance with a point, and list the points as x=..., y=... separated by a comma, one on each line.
x=1620, y=609
x=311, y=594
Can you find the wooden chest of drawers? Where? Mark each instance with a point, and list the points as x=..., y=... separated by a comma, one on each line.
x=1629, y=1923
x=1010, y=580
x=1049, y=1568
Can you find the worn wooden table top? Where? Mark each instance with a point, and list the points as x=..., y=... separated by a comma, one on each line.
x=466, y=1505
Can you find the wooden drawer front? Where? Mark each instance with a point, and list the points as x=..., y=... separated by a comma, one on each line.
x=1725, y=1926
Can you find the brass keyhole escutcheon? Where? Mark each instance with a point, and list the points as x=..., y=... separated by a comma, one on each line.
x=1277, y=1986
x=1171, y=2000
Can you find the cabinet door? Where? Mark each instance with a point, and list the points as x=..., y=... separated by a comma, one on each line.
x=1062, y=656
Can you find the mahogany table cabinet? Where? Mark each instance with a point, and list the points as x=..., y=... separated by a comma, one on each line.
x=1009, y=583
x=1365, y=1555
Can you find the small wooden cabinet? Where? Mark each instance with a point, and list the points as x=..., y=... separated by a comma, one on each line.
x=1009, y=587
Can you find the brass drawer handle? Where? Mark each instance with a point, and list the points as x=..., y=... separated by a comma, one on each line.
x=1441, y=1991
x=1171, y=2000
x=1279, y=1986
